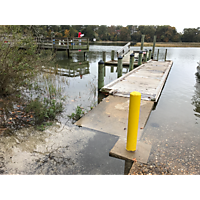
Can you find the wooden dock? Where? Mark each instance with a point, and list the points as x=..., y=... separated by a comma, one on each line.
x=125, y=59
x=111, y=115
x=148, y=79
x=55, y=44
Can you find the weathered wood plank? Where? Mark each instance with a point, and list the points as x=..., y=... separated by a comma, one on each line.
x=148, y=79
x=124, y=50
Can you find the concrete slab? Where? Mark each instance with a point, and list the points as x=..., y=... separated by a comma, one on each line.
x=111, y=116
x=141, y=154
x=59, y=150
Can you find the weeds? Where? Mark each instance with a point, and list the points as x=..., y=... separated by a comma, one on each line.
x=78, y=114
x=45, y=107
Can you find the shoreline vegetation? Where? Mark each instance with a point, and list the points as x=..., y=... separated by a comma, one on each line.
x=150, y=44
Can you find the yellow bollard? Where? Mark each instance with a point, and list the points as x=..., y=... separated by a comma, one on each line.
x=133, y=120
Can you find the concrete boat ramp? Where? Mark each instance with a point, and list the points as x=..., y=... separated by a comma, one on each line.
x=111, y=115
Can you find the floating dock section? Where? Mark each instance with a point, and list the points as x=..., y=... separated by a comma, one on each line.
x=111, y=115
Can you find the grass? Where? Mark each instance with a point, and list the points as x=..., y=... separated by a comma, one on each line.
x=78, y=114
x=170, y=44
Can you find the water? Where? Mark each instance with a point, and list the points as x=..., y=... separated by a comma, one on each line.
x=82, y=88
x=172, y=129
x=174, y=126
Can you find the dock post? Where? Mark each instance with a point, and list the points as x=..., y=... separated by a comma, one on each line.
x=85, y=55
x=149, y=58
x=133, y=120
x=145, y=59
x=111, y=69
x=104, y=56
x=142, y=42
x=104, y=60
x=131, y=64
x=158, y=55
x=140, y=58
x=165, y=54
x=112, y=55
x=119, y=67
x=87, y=43
x=68, y=53
x=154, y=44
x=100, y=74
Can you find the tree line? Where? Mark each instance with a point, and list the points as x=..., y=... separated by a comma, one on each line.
x=164, y=33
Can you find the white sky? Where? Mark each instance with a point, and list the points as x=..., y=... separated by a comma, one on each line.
x=179, y=28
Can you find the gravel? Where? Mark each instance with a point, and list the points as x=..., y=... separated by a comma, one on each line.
x=173, y=152
x=150, y=169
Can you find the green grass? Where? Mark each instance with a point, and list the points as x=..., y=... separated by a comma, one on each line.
x=78, y=114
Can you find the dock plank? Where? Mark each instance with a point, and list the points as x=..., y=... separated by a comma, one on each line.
x=148, y=79
x=111, y=115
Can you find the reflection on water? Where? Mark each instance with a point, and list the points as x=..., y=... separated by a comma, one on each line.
x=176, y=141
x=196, y=97
x=79, y=76
x=173, y=127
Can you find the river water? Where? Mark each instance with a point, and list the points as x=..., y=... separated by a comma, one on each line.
x=173, y=128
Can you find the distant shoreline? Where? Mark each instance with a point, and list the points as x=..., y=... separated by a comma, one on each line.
x=148, y=44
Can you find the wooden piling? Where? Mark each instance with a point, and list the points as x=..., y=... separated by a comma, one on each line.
x=119, y=67
x=112, y=55
x=154, y=44
x=104, y=56
x=142, y=42
x=165, y=54
x=131, y=64
x=68, y=54
x=85, y=55
x=111, y=69
x=158, y=55
x=87, y=43
x=140, y=58
x=149, y=57
x=145, y=58
x=104, y=60
x=100, y=74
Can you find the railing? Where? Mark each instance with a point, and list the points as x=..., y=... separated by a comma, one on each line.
x=65, y=43
x=124, y=50
x=57, y=43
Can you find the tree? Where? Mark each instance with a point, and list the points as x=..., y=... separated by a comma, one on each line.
x=190, y=35
x=66, y=33
x=18, y=67
x=148, y=31
x=103, y=32
x=112, y=35
x=20, y=64
x=125, y=34
x=73, y=32
x=89, y=32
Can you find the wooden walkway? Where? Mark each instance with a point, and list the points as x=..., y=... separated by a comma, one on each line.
x=111, y=115
x=125, y=61
x=126, y=57
x=148, y=79
x=58, y=44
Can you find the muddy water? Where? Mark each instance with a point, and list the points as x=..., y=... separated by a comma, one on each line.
x=172, y=129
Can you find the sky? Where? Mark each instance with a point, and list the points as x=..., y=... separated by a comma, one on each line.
x=180, y=28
